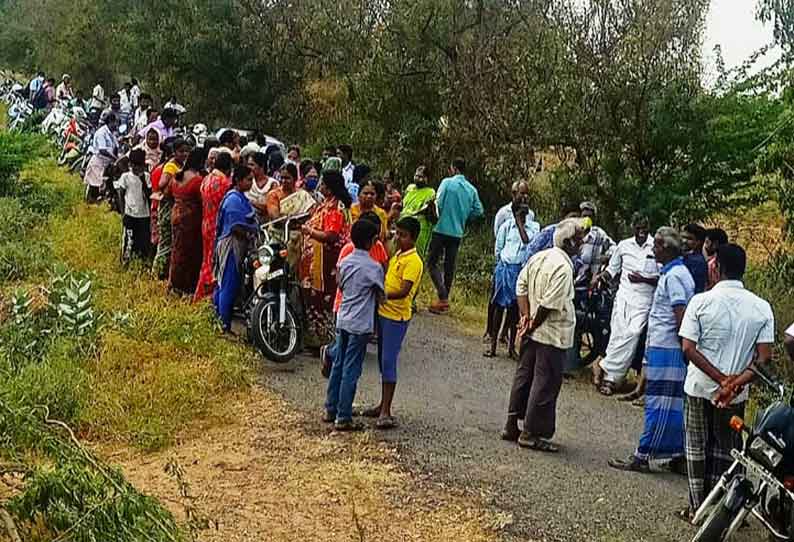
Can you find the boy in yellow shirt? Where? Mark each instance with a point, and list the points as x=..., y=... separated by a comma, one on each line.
x=402, y=282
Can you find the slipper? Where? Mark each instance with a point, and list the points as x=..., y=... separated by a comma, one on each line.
x=639, y=402
x=387, y=422
x=630, y=464
x=606, y=389
x=371, y=412
x=348, y=426
x=510, y=435
x=329, y=417
x=685, y=515
x=546, y=446
x=633, y=396
x=489, y=354
x=527, y=441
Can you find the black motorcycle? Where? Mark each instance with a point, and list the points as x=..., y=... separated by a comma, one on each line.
x=593, y=306
x=269, y=295
x=760, y=481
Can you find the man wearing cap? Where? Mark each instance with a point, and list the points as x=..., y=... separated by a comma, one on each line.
x=64, y=89
x=597, y=246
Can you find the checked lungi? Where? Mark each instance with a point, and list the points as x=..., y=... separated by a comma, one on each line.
x=709, y=441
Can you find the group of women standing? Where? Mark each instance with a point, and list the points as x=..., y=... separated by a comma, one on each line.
x=207, y=204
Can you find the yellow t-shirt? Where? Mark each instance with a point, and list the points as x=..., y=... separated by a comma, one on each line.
x=402, y=266
x=171, y=168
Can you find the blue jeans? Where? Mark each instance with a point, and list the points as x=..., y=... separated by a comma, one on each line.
x=345, y=372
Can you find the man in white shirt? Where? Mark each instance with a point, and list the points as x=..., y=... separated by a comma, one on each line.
x=724, y=331
x=141, y=116
x=64, y=90
x=346, y=155
x=98, y=97
x=634, y=261
x=36, y=84
x=545, y=299
x=135, y=94
x=105, y=147
x=124, y=99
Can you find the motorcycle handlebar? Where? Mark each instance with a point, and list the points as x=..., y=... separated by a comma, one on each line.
x=764, y=374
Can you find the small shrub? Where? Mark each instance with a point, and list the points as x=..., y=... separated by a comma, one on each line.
x=58, y=382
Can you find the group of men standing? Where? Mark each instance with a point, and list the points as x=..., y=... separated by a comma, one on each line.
x=681, y=316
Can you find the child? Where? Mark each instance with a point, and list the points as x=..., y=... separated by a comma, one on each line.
x=378, y=253
x=134, y=188
x=361, y=280
x=402, y=282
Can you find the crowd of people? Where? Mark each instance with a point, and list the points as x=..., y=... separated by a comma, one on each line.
x=681, y=316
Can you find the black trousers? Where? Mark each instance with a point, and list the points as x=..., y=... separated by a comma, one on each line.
x=536, y=387
x=447, y=247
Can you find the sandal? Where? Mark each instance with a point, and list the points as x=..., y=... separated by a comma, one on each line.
x=685, y=514
x=371, y=412
x=489, y=354
x=633, y=396
x=630, y=464
x=598, y=375
x=329, y=417
x=606, y=388
x=546, y=446
x=639, y=402
x=348, y=426
x=387, y=422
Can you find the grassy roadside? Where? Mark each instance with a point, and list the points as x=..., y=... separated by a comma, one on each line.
x=148, y=378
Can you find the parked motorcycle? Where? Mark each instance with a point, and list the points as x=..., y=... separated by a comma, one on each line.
x=761, y=480
x=270, y=292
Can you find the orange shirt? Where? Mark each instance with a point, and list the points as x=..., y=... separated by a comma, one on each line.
x=377, y=253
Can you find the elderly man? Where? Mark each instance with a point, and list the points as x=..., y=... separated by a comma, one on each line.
x=662, y=438
x=597, y=245
x=520, y=196
x=633, y=260
x=724, y=331
x=545, y=300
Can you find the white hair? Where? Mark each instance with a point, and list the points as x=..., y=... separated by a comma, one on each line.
x=670, y=238
x=567, y=229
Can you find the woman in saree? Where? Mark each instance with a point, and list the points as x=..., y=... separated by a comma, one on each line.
x=293, y=201
x=368, y=196
x=324, y=235
x=167, y=152
x=419, y=202
x=213, y=188
x=186, y=224
x=236, y=225
x=162, y=259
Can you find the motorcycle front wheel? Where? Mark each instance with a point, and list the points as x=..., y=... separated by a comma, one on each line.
x=278, y=343
x=716, y=524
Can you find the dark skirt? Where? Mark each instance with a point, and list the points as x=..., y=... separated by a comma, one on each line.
x=135, y=238
x=186, y=246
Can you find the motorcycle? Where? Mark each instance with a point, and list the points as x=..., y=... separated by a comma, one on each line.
x=269, y=293
x=761, y=479
x=593, y=307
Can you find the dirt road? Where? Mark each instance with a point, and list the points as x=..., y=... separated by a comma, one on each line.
x=451, y=402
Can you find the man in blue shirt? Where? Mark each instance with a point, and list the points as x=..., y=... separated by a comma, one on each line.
x=694, y=235
x=662, y=439
x=360, y=280
x=457, y=203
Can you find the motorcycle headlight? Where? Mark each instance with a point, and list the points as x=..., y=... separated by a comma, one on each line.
x=265, y=255
x=765, y=452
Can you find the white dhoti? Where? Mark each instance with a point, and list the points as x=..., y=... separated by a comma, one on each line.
x=627, y=323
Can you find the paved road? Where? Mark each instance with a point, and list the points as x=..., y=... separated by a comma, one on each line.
x=451, y=403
